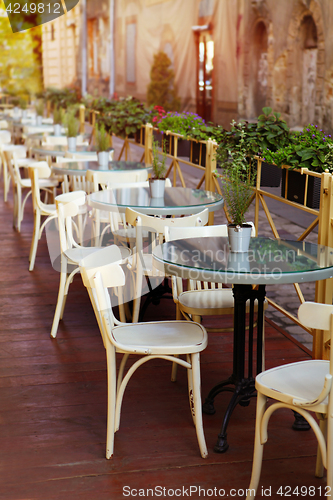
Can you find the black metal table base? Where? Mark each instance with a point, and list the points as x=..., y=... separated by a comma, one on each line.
x=243, y=385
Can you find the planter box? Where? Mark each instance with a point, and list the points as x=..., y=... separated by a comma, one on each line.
x=270, y=175
x=296, y=186
x=196, y=154
x=184, y=146
x=137, y=137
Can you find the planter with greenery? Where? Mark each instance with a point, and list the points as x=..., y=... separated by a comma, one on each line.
x=58, y=120
x=72, y=125
x=125, y=117
x=157, y=182
x=237, y=179
x=102, y=145
x=62, y=98
x=39, y=111
x=311, y=149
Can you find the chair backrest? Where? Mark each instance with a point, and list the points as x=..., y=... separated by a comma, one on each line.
x=81, y=156
x=38, y=170
x=156, y=228
x=4, y=124
x=101, y=270
x=176, y=233
x=50, y=139
x=5, y=137
x=68, y=206
x=320, y=317
x=113, y=178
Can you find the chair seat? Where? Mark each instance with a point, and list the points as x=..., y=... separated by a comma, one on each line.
x=174, y=337
x=75, y=255
x=212, y=301
x=302, y=380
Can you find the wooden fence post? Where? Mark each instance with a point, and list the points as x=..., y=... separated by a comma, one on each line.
x=48, y=108
x=148, y=143
x=82, y=118
x=324, y=288
x=211, y=148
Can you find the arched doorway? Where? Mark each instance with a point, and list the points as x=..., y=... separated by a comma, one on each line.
x=259, y=68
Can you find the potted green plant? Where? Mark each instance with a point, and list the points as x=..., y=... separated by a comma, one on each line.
x=39, y=112
x=72, y=125
x=102, y=145
x=237, y=180
x=157, y=182
x=182, y=124
x=58, y=119
x=311, y=149
x=23, y=106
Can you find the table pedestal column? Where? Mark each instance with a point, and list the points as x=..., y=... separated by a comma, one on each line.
x=243, y=385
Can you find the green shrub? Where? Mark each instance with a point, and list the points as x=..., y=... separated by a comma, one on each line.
x=162, y=90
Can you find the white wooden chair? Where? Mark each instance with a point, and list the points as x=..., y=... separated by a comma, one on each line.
x=102, y=179
x=201, y=298
x=37, y=172
x=69, y=205
x=61, y=140
x=304, y=387
x=165, y=339
x=141, y=262
x=21, y=184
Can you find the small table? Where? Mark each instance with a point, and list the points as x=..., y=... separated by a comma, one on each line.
x=80, y=167
x=268, y=261
x=59, y=150
x=176, y=201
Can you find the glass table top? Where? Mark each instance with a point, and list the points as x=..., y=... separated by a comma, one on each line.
x=176, y=200
x=80, y=167
x=57, y=149
x=267, y=261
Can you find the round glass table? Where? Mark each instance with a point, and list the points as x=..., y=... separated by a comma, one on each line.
x=176, y=200
x=59, y=150
x=267, y=261
x=80, y=167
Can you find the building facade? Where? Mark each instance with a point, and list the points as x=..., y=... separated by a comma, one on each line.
x=230, y=57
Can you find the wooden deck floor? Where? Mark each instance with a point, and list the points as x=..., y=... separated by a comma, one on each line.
x=53, y=403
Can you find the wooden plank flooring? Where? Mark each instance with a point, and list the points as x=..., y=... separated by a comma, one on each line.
x=53, y=402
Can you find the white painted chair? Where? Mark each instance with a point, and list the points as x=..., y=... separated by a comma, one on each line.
x=5, y=141
x=21, y=184
x=70, y=205
x=201, y=298
x=165, y=339
x=141, y=262
x=304, y=387
x=61, y=140
x=112, y=179
x=39, y=171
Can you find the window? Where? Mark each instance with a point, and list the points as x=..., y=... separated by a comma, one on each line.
x=130, y=52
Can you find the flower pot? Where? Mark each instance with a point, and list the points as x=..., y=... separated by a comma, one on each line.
x=39, y=120
x=196, y=158
x=57, y=129
x=239, y=262
x=157, y=202
x=239, y=237
x=296, y=186
x=270, y=175
x=103, y=158
x=71, y=141
x=157, y=187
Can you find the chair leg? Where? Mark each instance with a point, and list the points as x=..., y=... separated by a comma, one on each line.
x=60, y=304
x=329, y=448
x=19, y=207
x=175, y=365
x=319, y=463
x=196, y=404
x=258, y=448
x=34, y=242
x=111, y=364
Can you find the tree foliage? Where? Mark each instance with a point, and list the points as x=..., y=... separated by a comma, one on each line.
x=162, y=90
x=20, y=60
